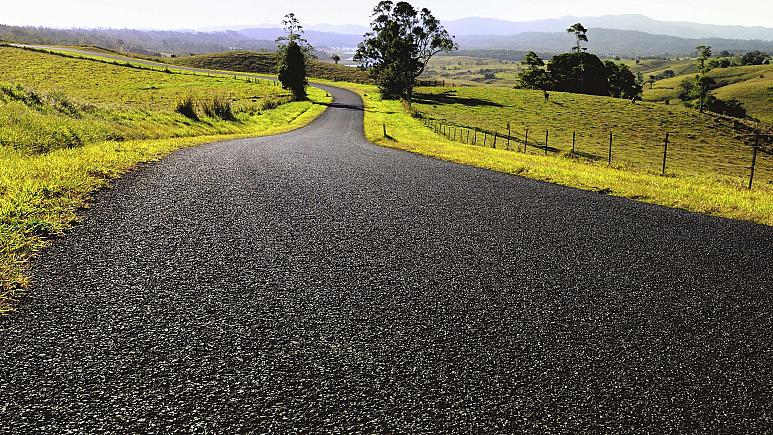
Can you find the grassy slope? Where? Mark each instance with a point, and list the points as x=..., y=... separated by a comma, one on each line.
x=704, y=144
x=466, y=71
x=702, y=194
x=42, y=189
x=751, y=84
x=265, y=63
x=656, y=66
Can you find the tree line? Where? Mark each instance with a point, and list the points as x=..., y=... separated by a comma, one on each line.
x=580, y=72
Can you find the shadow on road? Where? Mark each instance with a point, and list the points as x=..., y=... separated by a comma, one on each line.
x=344, y=106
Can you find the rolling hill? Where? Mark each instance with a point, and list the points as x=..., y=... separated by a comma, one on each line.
x=753, y=85
x=265, y=63
x=144, y=42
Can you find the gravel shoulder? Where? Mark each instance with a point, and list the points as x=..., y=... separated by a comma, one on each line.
x=314, y=282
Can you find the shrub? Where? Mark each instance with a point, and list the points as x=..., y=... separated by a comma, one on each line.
x=187, y=108
x=273, y=103
x=219, y=108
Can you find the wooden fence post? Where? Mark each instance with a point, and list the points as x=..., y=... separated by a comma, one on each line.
x=610, y=147
x=547, y=133
x=526, y=140
x=496, y=133
x=574, y=140
x=754, y=159
x=508, y=136
x=665, y=154
x=385, y=135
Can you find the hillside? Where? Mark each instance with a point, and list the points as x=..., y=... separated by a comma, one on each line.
x=265, y=63
x=51, y=102
x=753, y=85
x=144, y=42
x=701, y=144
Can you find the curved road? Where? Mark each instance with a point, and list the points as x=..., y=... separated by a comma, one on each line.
x=313, y=282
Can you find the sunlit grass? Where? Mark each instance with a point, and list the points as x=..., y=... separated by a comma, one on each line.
x=718, y=196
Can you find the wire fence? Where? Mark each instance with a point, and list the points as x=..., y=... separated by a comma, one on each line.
x=673, y=153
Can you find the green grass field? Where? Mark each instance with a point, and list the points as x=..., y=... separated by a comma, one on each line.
x=656, y=66
x=69, y=126
x=718, y=196
x=469, y=71
x=753, y=85
x=700, y=144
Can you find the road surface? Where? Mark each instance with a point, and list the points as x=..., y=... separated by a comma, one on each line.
x=313, y=282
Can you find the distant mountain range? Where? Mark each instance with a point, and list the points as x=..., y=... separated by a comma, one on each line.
x=641, y=23
x=622, y=35
x=624, y=43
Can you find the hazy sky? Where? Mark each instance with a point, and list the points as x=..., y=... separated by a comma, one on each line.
x=190, y=14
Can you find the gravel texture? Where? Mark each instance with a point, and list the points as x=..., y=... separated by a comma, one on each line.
x=313, y=282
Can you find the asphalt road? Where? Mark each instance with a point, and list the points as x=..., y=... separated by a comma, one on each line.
x=313, y=282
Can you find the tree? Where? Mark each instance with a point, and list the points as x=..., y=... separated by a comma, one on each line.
x=582, y=73
x=697, y=88
x=533, y=61
x=401, y=42
x=704, y=53
x=703, y=85
x=580, y=33
x=754, y=58
x=336, y=58
x=292, y=53
x=622, y=82
x=535, y=79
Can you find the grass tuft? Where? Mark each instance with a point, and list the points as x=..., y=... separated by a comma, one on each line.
x=187, y=108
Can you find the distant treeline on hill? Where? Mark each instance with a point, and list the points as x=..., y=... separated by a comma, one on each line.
x=147, y=43
x=265, y=63
x=504, y=55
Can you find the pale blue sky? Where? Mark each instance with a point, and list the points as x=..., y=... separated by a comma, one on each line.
x=176, y=14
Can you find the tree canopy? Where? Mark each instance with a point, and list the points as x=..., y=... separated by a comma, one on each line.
x=401, y=42
x=580, y=34
x=579, y=72
x=583, y=73
x=292, y=53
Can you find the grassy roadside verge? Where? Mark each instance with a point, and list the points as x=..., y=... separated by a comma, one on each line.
x=702, y=194
x=40, y=194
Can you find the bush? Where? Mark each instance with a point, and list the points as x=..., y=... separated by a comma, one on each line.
x=187, y=108
x=219, y=108
x=732, y=107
